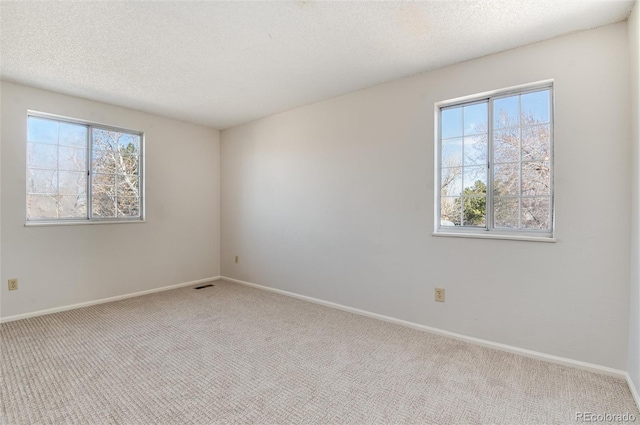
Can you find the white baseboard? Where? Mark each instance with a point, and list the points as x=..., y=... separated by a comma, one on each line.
x=634, y=391
x=103, y=300
x=477, y=341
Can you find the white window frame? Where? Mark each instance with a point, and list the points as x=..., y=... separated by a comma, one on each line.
x=488, y=231
x=90, y=219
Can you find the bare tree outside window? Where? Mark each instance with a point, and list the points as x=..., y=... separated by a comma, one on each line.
x=511, y=158
x=115, y=189
x=80, y=171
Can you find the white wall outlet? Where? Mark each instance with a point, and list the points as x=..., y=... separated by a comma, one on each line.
x=440, y=295
x=13, y=284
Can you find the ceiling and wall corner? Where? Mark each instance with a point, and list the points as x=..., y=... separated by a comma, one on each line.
x=224, y=63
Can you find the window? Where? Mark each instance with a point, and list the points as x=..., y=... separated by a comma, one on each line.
x=495, y=171
x=82, y=172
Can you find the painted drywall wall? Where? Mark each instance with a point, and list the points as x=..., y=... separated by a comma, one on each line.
x=335, y=201
x=62, y=265
x=634, y=309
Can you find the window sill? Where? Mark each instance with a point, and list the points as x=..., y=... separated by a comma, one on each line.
x=76, y=223
x=510, y=237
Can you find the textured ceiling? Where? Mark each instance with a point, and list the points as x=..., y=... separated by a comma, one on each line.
x=225, y=63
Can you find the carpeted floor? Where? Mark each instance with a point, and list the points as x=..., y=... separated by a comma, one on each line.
x=233, y=354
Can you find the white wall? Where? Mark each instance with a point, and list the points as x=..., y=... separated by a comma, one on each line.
x=335, y=201
x=634, y=313
x=62, y=265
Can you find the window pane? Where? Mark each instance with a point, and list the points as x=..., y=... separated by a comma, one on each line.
x=536, y=178
x=475, y=119
x=450, y=211
x=103, y=205
x=105, y=139
x=536, y=143
x=74, y=135
x=475, y=180
x=42, y=206
x=475, y=210
x=451, y=123
x=128, y=186
x=451, y=181
x=475, y=150
x=452, y=152
x=42, y=156
x=72, y=206
x=536, y=213
x=535, y=107
x=506, y=145
x=506, y=179
x=128, y=207
x=506, y=112
x=128, y=164
x=129, y=143
x=103, y=199
x=104, y=184
x=72, y=159
x=42, y=181
x=42, y=131
x=505, y=213
x=104, y=161
x=73, y=183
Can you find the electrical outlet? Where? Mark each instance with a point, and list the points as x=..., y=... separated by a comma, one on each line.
x=13, y=284
x=440, y=295
x=236, y=260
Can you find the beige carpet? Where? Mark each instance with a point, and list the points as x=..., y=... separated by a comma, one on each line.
x=232, y=354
